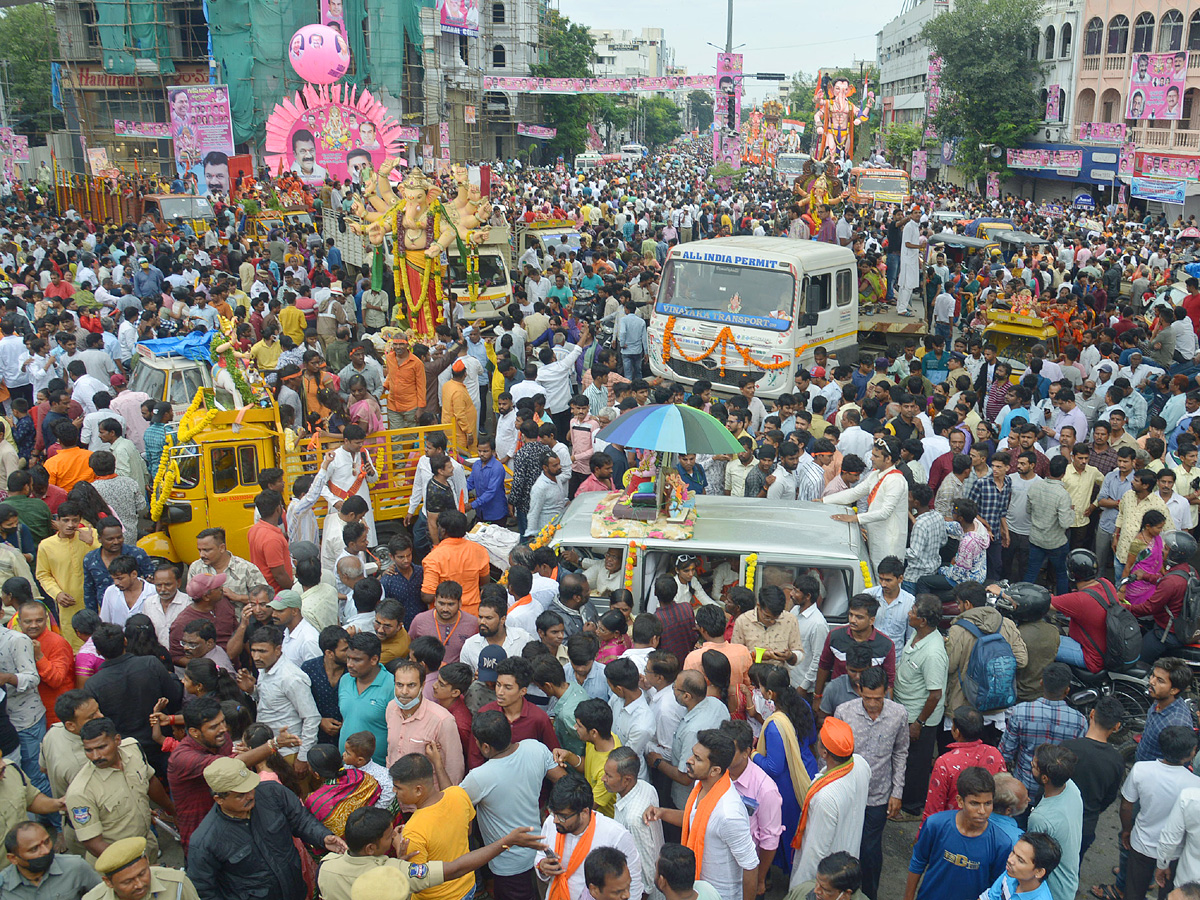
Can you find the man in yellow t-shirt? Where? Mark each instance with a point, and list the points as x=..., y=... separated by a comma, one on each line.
x=593, y=724
x=267, y=351
x=292, y=320
x=441, y=825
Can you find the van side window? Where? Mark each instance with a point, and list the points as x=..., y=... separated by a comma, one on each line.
x=845, y=290
x=224, y=469
x=818, y=293
x=248, y=465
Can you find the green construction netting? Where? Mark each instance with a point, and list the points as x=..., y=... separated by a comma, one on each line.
x=130, y=30
x=148, y=33
x=112, y=25
x=250, y=39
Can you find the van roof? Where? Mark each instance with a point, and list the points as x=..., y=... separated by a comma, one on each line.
x=721, y=528
x=814, y=254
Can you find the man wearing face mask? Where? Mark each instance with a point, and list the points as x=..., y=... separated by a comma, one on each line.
x=35, y=871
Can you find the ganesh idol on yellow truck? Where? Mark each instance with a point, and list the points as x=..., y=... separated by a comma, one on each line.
x=752, y=306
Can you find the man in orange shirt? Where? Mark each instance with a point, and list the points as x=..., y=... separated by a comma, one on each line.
x=268, y=544
x=52, y=653
x=405, y=384
x=456, y=559
x=69, y=466
x=710, y=622
x=458, y=410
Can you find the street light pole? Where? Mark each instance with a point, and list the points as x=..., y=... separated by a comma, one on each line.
x=729, y=29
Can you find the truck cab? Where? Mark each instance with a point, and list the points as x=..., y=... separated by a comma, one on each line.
x=174, y=379
x=868, y=185
x=166, y=209
x=259, y=227
x=546, y=236
x=495, y=283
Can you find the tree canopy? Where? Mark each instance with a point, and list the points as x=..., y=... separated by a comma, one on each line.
x=987, y=77
x=568, y=47
x=701, y=105
x=660, y=117
x=27, y=41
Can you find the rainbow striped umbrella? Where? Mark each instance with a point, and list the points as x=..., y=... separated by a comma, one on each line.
x=670, y=428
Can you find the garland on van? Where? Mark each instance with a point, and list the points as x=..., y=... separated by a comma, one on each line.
x=751, y=568
x=866, y=574
x=192, y=422
x=631, y=564
x=544, y=536
x=723, y=340
x=164, y=480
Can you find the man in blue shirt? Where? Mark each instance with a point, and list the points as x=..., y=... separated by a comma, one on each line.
x=960, y=853
x=591, y=281
x=560, y=291
x=486, y=482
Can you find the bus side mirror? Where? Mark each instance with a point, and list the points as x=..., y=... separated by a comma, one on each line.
x=810, y=317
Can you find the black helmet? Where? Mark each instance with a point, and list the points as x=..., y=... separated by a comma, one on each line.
x=1028, y=602
x=1082, y=565
x=1180, y=547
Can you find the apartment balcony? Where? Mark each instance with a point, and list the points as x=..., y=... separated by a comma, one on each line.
x=1166, y=139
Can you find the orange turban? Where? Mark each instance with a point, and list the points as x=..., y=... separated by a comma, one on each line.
x=838, y=737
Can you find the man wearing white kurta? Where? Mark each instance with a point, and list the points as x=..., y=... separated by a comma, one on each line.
x=885, y=517
x=835, y=804
x=910, y=264
x=346, y=472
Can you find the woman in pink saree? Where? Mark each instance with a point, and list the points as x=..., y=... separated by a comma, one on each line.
x=1145, y=570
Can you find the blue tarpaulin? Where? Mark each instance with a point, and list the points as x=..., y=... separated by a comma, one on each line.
x=190, y=346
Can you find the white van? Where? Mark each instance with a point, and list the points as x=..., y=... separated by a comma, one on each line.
x=632, y=153
x=789, y=539
x=754, y=306
x=586, y=161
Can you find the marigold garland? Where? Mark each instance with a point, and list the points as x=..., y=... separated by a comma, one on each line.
x=866, y=574
x=164, y=480
x=192, y=423
x=544, y=536
x=631, y=564
x=723, y=340
x=751, y=568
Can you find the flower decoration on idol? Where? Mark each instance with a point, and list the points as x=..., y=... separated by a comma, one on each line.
x=319, y=54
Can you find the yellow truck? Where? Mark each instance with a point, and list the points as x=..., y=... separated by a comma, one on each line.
x=1015, y=334
x=209, y=477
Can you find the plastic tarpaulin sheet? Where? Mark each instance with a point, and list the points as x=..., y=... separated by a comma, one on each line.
x=190, y=346
x=148, y=33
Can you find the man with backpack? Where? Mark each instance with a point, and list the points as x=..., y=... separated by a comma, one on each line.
x=985, y=650
x=1103, y=633
x=1167, y=602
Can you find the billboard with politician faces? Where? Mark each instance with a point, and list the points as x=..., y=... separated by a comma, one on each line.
x=330, y=131
x=1156, y=85
x=201, y=131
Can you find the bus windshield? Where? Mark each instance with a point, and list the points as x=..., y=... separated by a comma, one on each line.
x=491, y=272
x=885, y=184
x=714, y=291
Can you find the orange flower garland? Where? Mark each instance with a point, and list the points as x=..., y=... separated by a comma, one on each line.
x=722, y=342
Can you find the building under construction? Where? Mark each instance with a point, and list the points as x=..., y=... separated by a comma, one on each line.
x=118, y=57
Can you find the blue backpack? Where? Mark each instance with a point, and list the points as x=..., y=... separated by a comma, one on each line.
x=990, y=681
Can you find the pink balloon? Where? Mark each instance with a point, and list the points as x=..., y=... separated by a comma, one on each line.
x=319, y=54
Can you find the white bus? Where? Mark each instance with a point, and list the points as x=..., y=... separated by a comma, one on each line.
x=754, y=306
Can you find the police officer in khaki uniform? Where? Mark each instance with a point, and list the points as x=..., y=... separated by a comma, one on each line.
x=128, y=875
x=110, y=799
x=18, y=797
x=62, y=756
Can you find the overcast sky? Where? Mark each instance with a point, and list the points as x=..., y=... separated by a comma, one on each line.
x=778, y=37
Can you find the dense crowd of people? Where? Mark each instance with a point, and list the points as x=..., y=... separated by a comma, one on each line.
x=356, y=710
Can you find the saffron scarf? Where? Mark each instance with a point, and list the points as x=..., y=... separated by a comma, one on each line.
x=694, y=831
x=558, y=887
x=791, y=749
x=823, y=781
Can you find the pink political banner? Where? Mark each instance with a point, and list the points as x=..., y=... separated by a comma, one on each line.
x=1156, y=85
x=409, y=134
x=1101, y=132
x=1166, y=165
x=540, y=132
x=444, y=134
x=920, y=159
x=1036, y=158
x=334, y=16
x=330, y=130
x=1052, y=100
x=459, y=16
x=202, y=131
x=597, y=85
x=14, y=148
x=993, y=185
x=159, y=130
x=933, y=95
